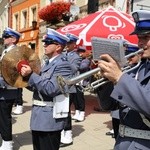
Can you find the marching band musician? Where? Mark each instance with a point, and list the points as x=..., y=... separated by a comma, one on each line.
x=8, y=94
x=10, y=43
x=86, y=62
x=75, y=61
x=132, y=61
x=48, y=117
x=131, y=48
x=80, y=100
x=132, y=90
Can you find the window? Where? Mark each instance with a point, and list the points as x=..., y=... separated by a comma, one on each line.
x=32, y=46
x=33, y=14
x=73, y=1
x=24, y=19
x=16, y=21
x=105, y=3
x=5, y=19
x=1, y=30
x=48, y=1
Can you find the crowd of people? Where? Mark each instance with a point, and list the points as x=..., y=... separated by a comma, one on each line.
x=126, y=93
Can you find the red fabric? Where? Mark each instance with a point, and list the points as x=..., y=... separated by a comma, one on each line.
x=20, y=63
x=108, y=23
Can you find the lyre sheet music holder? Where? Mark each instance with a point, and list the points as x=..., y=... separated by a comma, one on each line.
x=113, y=47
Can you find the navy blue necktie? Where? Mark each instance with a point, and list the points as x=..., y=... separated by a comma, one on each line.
x=147, y=67
x=47, y=62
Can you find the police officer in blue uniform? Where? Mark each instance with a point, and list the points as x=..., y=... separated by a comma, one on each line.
x=132, y=61
x=132, y=90
x=46, y=127
x=75, y=61
x=80, y=101
x=129, y=49
x=72, y=54
x=8, y=94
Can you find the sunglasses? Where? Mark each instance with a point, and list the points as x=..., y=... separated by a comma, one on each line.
x=70, y=42
x=49, y=42
x=6, y=36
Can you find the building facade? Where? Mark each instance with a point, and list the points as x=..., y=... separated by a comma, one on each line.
x=22, y=15
x=141, y=4
x=4, y=6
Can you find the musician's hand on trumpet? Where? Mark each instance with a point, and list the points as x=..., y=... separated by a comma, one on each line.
x=110, y=69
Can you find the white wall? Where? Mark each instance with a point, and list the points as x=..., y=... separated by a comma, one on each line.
x=141, y=2
x=121, y=5
x=3, y=16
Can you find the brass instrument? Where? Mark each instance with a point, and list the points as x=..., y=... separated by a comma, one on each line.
x=11, y=64
x=62, y=82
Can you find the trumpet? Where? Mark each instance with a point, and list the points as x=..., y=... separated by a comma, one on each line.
x=62, y=82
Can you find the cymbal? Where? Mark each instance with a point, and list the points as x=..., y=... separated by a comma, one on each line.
x=11, y=65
